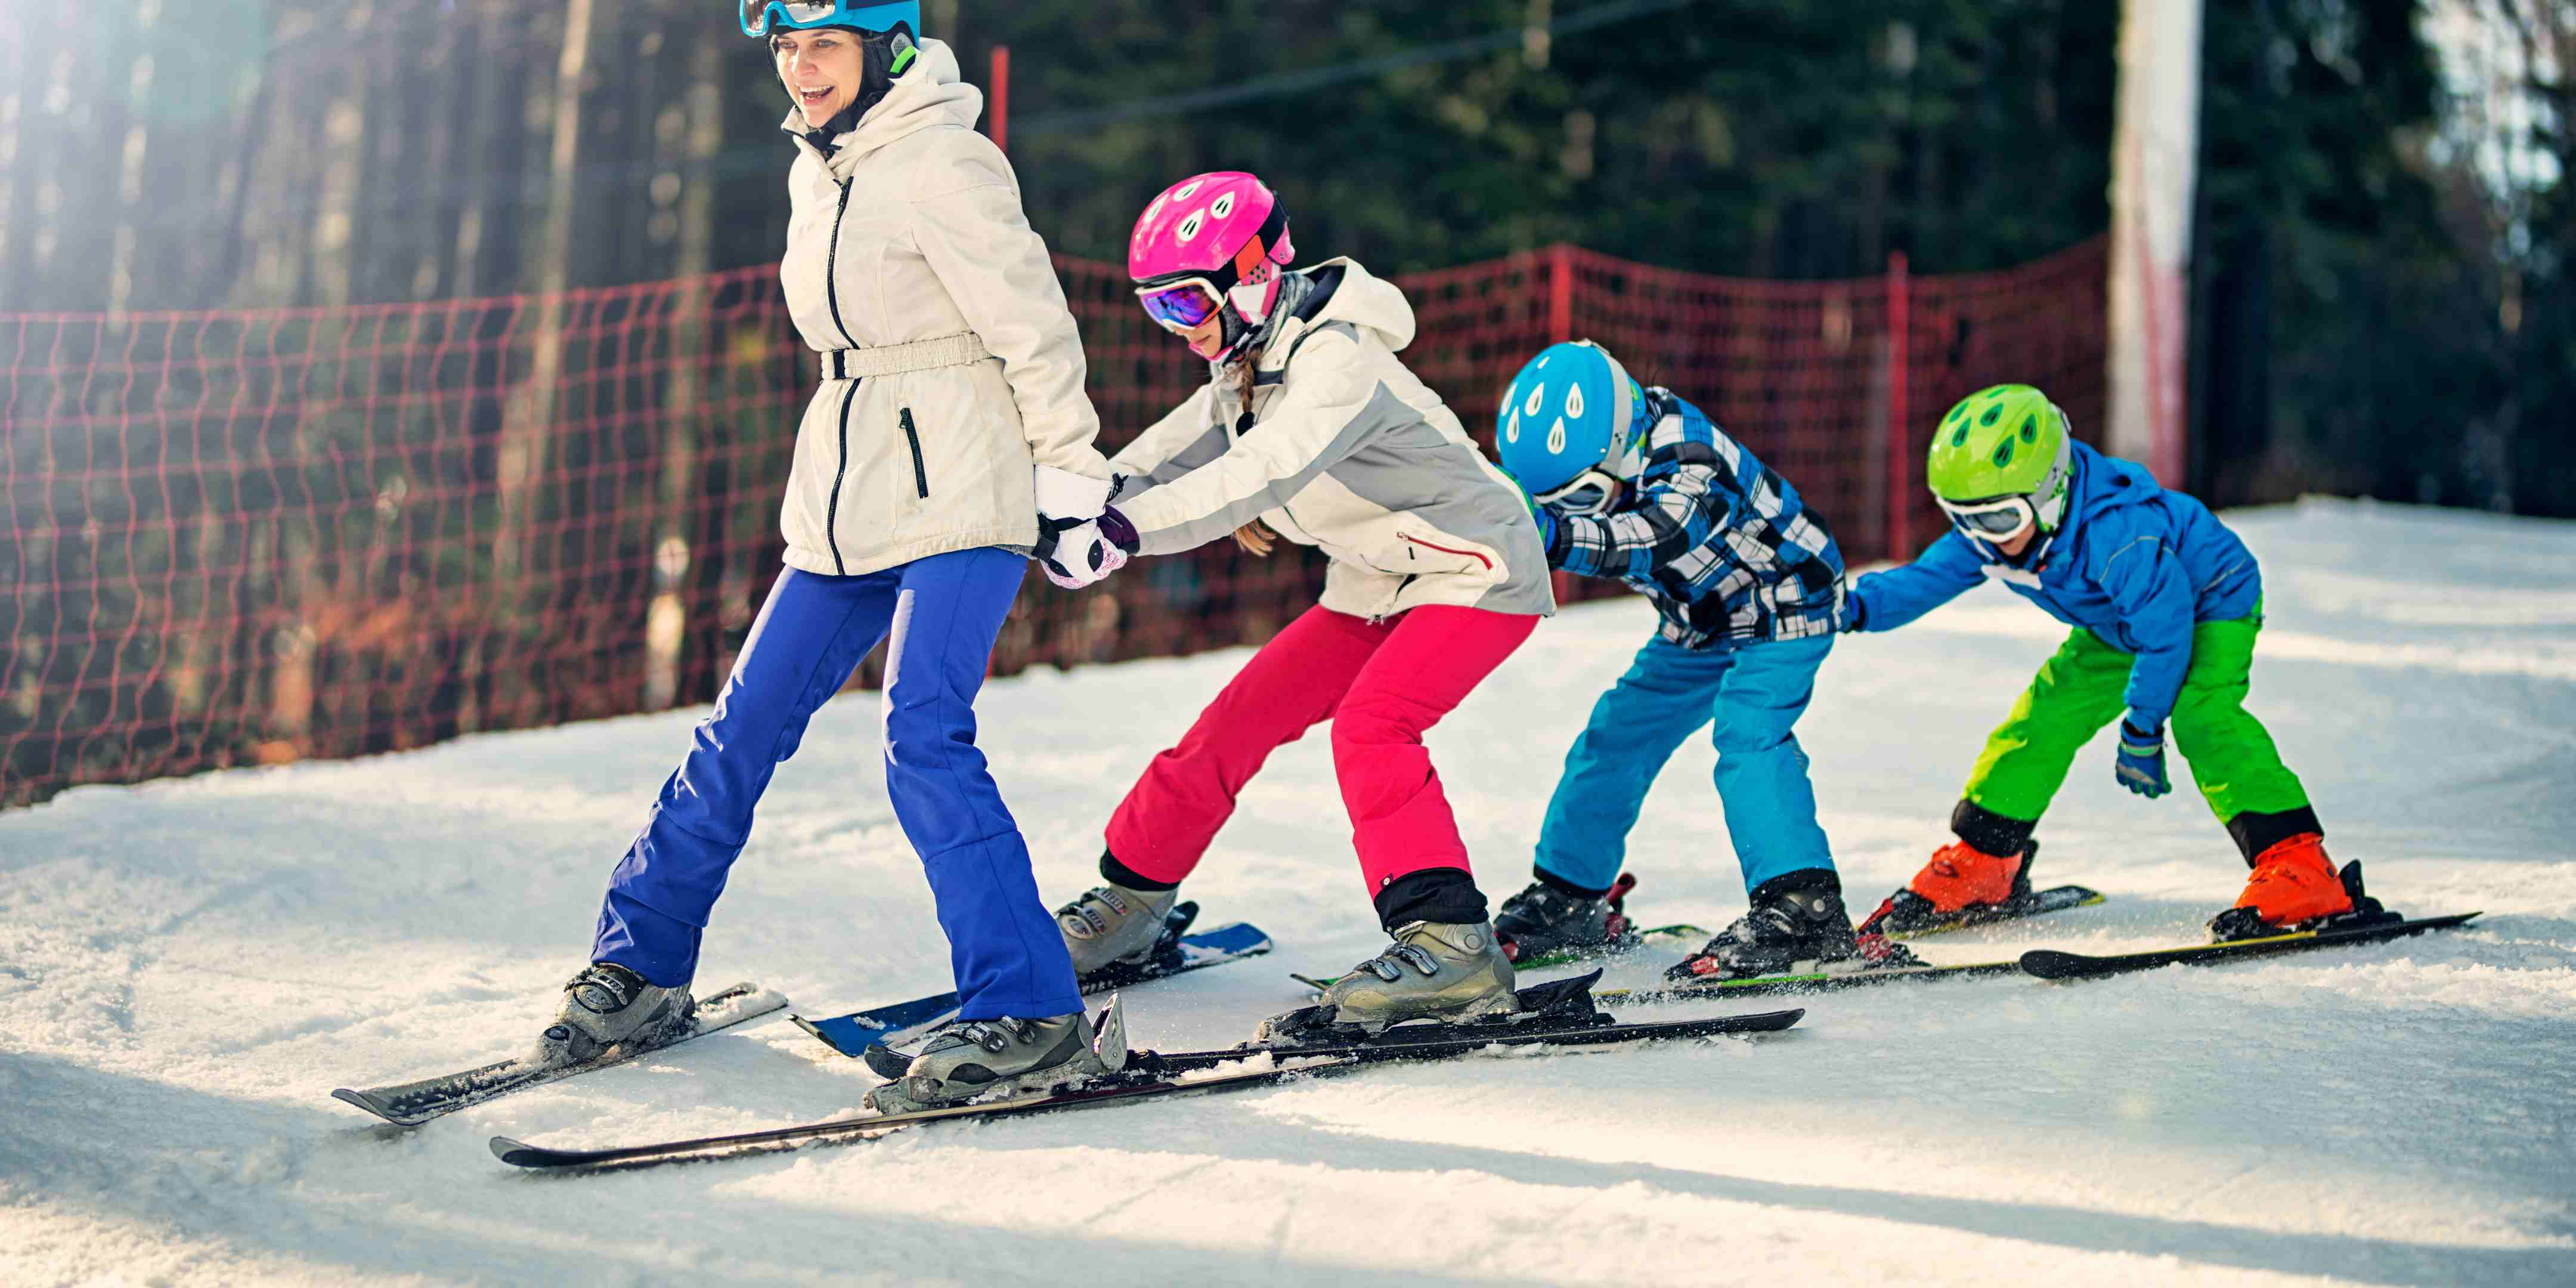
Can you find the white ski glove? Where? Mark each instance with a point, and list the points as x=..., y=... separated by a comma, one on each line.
x=1071, y=546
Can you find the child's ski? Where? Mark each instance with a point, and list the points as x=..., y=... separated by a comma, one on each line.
x=2034, y=904
x=2051, y=964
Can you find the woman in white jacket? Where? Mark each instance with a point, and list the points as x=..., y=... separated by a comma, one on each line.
x=950, y=430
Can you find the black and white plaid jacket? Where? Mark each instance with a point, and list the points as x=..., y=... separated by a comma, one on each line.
x=1721, y=544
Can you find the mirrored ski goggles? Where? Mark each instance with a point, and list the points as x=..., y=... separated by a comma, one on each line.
x=1589, y=494
x=1997, y=520
x=1180, y=306
x=760, y=16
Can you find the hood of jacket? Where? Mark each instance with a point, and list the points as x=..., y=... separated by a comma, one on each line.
x=1339, y=290
x=2106, y=483
x=932, y=92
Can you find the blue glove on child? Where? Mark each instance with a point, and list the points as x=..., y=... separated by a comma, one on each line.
x=1849, y=614
x=2142, y=760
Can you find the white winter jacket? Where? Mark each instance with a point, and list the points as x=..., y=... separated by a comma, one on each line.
x=1346, y=450
x=911, y=230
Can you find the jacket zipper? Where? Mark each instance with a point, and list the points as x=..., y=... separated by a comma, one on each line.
x=832, y=510
x=831, y=266
x=832, y=299
x=920, y=475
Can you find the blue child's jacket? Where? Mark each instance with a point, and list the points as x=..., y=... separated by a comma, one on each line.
x=2133, y=563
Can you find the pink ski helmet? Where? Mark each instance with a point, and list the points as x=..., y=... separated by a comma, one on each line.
x=1212, y=244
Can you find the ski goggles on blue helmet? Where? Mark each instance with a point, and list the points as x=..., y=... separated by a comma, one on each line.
x=1589, y=494
x=761, y=17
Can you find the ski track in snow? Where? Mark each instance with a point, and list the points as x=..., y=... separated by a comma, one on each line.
x=188, y=967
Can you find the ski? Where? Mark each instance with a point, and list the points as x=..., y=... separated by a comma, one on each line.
x=1545, y=961
x=1816, y=981
x=2036, y=903
x=1560, y=1013
x=409, y=1104
x=2051, y=964
x=1178, y=954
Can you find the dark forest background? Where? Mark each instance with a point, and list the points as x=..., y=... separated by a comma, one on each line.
x=2379, y=303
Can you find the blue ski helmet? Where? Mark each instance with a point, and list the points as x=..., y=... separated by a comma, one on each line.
x=760, y=17
x=1572, y=408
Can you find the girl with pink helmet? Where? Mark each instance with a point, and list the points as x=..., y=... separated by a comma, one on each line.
x=1311, y=429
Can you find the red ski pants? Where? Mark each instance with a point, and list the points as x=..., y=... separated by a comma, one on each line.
x=1381, y=685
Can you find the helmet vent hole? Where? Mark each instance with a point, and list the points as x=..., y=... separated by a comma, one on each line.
x=1992, y=415
x=2003, y=453
x=2030, y=429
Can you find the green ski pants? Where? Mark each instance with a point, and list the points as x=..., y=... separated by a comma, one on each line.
x=2081, y=689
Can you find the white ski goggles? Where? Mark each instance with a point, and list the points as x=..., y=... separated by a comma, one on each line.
x=1998, y=520
x=1588, y=494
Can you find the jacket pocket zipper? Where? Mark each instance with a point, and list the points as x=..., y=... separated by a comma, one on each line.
x=832, y=509
x=1427, y=545
x=920, y=475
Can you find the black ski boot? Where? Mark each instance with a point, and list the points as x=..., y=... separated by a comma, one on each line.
x=1797, y=925
x=1546, y=920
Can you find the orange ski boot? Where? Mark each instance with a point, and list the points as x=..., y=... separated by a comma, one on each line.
x=2294, y=887
x=1955, y=888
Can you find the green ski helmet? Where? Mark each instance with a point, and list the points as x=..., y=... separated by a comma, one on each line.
x=2001, y=463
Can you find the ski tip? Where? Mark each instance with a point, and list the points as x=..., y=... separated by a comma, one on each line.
x=517, y=1153
x=2049, y=963
x=372, y=1105
x=816, y=1031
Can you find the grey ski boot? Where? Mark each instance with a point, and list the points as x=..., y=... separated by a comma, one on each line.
x=1432, y=970
x=606, y=1006
x=1111, y=924
x=970, y=1059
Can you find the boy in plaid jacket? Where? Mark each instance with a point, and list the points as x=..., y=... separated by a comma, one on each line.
x=1637, y=484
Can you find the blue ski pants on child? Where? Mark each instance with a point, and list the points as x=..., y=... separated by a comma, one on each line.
x=942, y=613
x=1752, y=694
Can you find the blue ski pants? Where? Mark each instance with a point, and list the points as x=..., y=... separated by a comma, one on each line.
x=942, y=613
x=1752, y=695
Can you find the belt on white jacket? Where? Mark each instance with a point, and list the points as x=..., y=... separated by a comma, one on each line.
x=896, y=359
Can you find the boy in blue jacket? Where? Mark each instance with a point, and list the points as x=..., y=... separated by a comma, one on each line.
x=1635, y=483
x=2166, y=604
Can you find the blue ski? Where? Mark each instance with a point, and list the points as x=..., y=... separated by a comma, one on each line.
x=853, y=1033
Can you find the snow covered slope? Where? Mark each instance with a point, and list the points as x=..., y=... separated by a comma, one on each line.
x=187, y=968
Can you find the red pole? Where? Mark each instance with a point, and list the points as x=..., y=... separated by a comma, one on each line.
x=1560, y=293
x=1900, y=492
x=1000, y=94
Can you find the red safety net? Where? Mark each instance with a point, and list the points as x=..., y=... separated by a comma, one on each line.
x=251, y=537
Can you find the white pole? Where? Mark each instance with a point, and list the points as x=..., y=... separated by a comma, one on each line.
x=2155, y=154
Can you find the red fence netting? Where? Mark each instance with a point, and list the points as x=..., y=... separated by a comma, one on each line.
x=251, y=537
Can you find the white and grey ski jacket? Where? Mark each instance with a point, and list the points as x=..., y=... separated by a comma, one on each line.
x=910, y=233
x=1346, y=450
